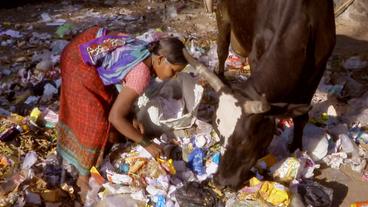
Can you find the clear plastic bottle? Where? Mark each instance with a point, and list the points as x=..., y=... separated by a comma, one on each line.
x=348, y=145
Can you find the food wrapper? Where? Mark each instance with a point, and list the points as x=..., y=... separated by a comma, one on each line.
x=35, y=115
x=266, y=162
x=19, y=120
x=51, y=118
x=286, y=170
x=152, y=170
x=249, y=193
x=272, y=192
x=136, y=165
x=117, y=189
x=254, y=181
x=94, y=173
x=118, y=178
x=275, y=193
x=168, y=165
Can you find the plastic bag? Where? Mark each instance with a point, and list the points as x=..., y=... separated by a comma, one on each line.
x=194, y=194
x=169, y=105
x=119, y=200
x=286, y=170
x=307, y=165
x=315, y=194
x=161, y=201
x=196, y=161
x=92, y=194
x=315, y=142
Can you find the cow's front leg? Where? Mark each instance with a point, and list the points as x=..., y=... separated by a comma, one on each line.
x=223, y=38
x=299, y=124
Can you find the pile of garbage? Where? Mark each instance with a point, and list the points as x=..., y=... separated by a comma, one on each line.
x=281, y=178
x=31, y=173
x=130, y=170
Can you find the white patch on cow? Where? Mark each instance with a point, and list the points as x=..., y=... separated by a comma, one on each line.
x=227, y=115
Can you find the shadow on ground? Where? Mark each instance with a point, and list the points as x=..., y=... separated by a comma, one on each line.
x=340, y=191
x=347, y=46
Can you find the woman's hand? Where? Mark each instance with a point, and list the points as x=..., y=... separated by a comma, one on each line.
x=138, y=126
x=119, y=113
x=154, y=149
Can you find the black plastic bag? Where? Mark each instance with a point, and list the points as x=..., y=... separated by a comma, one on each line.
x=315, y=194
x=194, y=194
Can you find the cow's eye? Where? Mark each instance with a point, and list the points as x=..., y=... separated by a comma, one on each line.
x=218, y=121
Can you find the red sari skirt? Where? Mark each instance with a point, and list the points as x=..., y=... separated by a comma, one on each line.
x=83, y=127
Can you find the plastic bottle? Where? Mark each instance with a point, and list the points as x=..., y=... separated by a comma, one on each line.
x=348, y=145
x=10, y=133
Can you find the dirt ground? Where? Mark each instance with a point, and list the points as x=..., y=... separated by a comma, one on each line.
x=190, y=21
x=352, y=39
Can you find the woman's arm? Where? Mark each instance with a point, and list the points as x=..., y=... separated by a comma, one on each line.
x=118, y=117
x=119, y=112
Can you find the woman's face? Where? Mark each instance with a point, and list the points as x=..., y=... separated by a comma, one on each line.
x=165, y=70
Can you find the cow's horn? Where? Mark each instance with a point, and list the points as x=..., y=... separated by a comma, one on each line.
x=211, y=78
x=257, y=106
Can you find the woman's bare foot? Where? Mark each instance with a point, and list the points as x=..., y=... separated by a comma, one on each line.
x=82, y=183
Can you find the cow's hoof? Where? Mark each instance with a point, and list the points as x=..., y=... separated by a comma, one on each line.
x=215, y=182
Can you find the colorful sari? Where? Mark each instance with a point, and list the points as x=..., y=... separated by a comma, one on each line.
x=84, y=103
x=86, y=100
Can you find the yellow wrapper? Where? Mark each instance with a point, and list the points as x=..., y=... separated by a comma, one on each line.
x=35, y=115
x=168, y=165
x=20, y=120
x=275, y=193
x=138, y=164
x=254, y=181
x=272, y=192
x=94, y=173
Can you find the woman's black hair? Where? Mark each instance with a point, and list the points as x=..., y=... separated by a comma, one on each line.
x=171, y=48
